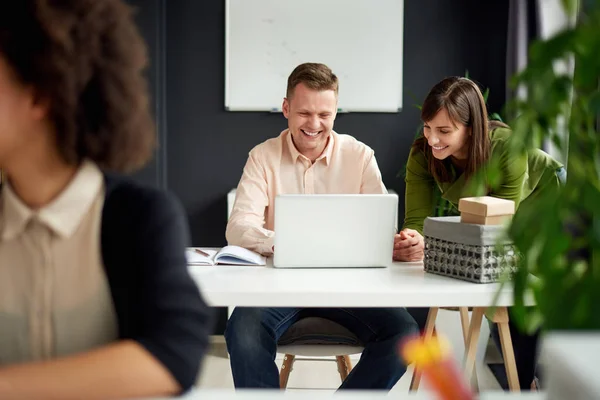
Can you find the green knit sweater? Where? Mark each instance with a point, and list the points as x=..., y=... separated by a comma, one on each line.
x=524, y=177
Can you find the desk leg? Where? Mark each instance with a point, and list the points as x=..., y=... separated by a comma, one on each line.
x=501, y=318
x=429, y=328
x=472, y=339
x=464, y=322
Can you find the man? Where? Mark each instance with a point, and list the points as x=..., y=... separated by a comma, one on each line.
x=308, y=157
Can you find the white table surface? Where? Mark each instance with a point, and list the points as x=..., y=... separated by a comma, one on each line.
x=400, y=284
x=356, y=395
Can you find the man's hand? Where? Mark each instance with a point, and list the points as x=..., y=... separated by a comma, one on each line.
x=408, y=246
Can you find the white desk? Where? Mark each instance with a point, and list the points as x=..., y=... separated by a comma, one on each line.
x=401, y=284
x=398, y=285
x=357, y=395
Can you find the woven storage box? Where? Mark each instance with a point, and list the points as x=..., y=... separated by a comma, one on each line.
x=467, y=251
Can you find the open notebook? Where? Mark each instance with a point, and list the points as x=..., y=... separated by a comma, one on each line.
x=228, y=255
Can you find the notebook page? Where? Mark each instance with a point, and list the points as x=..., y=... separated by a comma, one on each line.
x=195, y=258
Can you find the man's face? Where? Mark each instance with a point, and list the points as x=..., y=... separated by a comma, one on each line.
x=310, y=114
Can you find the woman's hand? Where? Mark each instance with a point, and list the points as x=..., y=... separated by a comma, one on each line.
x=408, y=246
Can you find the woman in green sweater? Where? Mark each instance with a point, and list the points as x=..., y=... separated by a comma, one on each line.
x=458, y=140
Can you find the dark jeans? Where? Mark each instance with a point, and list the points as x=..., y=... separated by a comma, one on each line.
x=252, y=335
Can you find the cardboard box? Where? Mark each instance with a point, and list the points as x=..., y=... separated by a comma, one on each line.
x=467, y=218
x=486, y=206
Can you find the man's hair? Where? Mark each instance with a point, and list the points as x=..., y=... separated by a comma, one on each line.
x=314, y=75
x=86, y=58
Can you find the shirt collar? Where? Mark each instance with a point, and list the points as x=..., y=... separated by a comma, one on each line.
x=325, y=156
x=63, y=215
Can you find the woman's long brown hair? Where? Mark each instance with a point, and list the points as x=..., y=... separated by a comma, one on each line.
x=465, y=104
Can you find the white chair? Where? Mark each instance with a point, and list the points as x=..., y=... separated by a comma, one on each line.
x=317, y=337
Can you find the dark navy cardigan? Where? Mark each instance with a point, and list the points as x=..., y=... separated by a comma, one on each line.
x=143, y=238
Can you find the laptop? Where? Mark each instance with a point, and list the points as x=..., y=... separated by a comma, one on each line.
x=334, y=230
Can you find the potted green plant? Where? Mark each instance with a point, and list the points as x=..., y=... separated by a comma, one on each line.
x=559, y=239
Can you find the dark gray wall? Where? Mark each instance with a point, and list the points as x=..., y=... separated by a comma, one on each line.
x=150, y=19
x=203, y=148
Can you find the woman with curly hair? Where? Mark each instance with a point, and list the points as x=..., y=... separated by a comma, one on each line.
x=95, y=297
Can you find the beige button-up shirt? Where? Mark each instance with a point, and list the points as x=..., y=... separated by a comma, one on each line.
x=54, y=295
x=275, y=167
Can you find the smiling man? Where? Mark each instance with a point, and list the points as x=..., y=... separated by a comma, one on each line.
x=310, y=118
x=307, y=158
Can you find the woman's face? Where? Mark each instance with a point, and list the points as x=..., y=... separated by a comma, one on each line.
x=447, y=137
x=19, y=114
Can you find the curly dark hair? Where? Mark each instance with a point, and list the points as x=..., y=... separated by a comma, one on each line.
x=86, y=57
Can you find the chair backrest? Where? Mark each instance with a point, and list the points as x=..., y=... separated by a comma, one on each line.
x=230, y=202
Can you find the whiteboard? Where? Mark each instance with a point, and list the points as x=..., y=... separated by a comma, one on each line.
x=360, y=40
